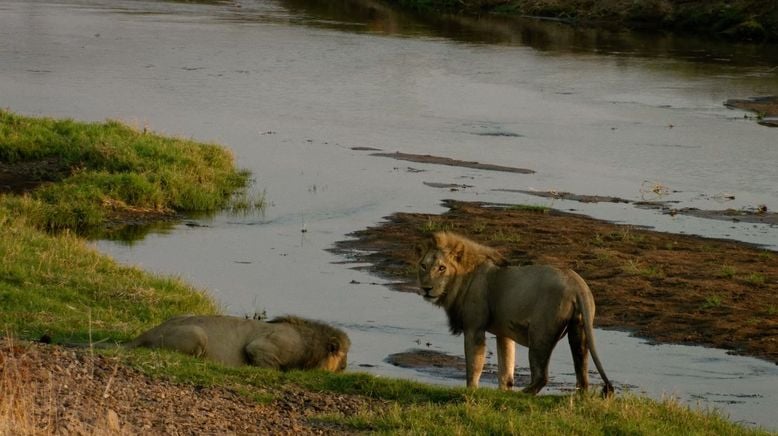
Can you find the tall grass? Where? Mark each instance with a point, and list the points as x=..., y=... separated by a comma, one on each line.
x=108, y=170
x=59, y=286
x=23, y=393
x=17, y=401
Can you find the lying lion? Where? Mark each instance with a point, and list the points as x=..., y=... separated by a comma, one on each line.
x=532, y=305
x=283, y=343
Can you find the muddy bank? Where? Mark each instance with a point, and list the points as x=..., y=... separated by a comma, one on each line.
x=664, y=287
x=766, y=108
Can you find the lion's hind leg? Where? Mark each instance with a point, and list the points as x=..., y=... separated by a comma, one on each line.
x=187, y=339
x=576, y=336
x=262, y=352
x=541, y=344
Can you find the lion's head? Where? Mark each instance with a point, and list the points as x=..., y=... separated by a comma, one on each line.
x=326, y=347
x=446, y=256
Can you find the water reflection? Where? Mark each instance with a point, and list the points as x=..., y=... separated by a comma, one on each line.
x=376, y=17
x=544, y=35
x=128, y=233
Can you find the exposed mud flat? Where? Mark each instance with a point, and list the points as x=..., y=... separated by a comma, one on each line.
x=758, y=214
x=664, y=287
x=439, y=160
x=766, y=107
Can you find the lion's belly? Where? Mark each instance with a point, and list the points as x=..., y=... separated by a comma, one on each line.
x=516, y=332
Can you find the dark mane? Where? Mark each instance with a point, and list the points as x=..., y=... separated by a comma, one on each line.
x=472, y=253
x=318, y=337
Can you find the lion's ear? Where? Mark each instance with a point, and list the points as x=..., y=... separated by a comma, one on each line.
x=420, y=249
x=458, y=252
x=333, y=346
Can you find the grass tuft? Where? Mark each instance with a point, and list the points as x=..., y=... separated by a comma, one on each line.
x=111, y=171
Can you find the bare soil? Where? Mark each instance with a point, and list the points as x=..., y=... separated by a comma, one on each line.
x=665, y=287
x=70, y=391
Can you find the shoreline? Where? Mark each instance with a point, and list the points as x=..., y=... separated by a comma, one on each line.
x=737, y=20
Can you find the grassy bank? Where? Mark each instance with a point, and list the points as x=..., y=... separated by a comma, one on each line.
x=82, y=176
x=415, y=408
x=55, y=284
x=735, y=19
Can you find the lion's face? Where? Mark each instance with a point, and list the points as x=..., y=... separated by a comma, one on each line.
x=435, y=270
x=337, y=353
x=335, y=362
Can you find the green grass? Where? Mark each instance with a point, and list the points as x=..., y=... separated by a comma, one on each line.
x=727, y=271
x=54, y=283
x=537, y=208
x=505, y=236
x=711, y=302
x=415, y=408
x=58, y=285
x=107, y=171
x=634, y=267
x=436, y=225
x=756, y=279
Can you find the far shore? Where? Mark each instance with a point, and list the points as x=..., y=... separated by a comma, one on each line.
x=737, y=20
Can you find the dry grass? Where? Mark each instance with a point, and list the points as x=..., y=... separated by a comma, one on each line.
x=29, y=407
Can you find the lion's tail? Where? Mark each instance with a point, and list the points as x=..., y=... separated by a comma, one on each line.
x=102, y=343
x=588, y=320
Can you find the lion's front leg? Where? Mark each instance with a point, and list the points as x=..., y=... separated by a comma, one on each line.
x=506, y=361
x=475, y=350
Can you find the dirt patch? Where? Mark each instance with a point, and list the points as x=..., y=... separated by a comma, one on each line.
x=438, y=160
x=765, y=107
x=664, y=287
x=69, y=391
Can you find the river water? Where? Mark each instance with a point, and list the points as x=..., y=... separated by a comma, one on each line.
x=294, y=86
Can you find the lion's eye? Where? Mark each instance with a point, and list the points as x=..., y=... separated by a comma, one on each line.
x=423, y=267
x=442, y=268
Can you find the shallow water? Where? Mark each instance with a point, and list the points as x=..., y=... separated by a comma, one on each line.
x=293, y=86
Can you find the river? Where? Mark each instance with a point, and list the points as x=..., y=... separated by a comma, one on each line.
x=297, y=89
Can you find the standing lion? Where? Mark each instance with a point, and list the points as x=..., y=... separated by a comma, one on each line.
x=532, y=305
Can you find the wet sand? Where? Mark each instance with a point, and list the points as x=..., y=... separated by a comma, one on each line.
x=668, y=288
